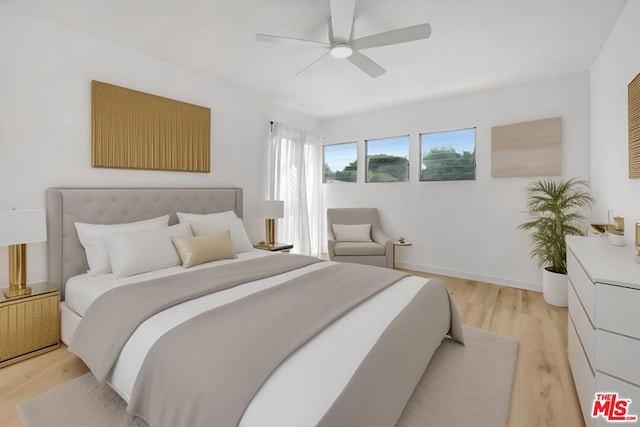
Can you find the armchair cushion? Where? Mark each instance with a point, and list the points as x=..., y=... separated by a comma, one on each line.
x=352, y=232
x=358, y=248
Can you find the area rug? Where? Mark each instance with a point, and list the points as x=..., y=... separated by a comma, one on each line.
x=463, y=386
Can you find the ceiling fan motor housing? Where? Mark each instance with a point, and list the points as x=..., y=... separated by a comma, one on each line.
x=341, y=50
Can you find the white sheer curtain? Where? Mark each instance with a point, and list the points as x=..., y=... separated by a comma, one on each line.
x=295, y=178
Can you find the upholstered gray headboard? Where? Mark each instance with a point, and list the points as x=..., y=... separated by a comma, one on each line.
x=66, y=206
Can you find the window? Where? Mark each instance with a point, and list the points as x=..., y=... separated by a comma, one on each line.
x=341, y=162
x=449, y=155
x=388, y=159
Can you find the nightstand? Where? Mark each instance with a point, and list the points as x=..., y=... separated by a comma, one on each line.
x=274, y=247
x=29, y=325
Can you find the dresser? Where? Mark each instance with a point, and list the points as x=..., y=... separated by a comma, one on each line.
x=604, y=322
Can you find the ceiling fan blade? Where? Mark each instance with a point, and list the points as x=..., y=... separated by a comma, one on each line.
x=342, y=18
x=308, y=66
x=366, y=64
x=416, y=32
x=290, y=41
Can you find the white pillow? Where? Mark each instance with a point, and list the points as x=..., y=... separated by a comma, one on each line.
x=137, y=252
x=352, y=233
x=188, y=217
x=90, y=236
x=241, y=242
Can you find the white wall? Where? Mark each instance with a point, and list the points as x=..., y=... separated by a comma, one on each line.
x=617, y=64
x=466, y=228
x=45, y=120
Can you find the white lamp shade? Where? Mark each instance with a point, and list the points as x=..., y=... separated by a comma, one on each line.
x=22, y=226
x=273, y=209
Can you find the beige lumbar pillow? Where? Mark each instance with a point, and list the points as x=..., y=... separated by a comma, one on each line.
x=200, y=249
x=352, y=232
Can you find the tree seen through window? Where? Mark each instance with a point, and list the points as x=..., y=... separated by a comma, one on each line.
x=340, y=163
x=448, y=156
x=388, y=159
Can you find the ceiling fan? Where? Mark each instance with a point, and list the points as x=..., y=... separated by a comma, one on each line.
x=343, y=45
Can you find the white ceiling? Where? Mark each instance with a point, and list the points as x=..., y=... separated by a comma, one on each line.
x=474, y=45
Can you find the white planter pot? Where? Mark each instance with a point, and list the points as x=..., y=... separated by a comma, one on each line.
x=554, y=288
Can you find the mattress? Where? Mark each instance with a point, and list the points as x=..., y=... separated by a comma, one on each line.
x=83, y=289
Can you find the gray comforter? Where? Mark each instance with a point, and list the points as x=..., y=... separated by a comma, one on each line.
x=206, y=371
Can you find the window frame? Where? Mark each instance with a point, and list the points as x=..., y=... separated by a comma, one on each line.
x=366, y=158
x=421, y=154
x=324, y=178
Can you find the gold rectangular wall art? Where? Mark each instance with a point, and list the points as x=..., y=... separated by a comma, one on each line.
x=137, y=130
x=527, y=149
x=634, y=127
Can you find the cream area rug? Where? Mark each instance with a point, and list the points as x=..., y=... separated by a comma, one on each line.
x=463, y=386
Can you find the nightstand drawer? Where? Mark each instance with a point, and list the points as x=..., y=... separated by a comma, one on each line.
x=28, y=325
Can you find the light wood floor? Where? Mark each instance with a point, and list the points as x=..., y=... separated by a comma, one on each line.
x=543, y=391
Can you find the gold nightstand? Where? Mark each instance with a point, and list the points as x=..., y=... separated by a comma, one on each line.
x=274, y=247
x=29, y=325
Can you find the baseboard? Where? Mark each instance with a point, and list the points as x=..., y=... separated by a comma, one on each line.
x=472, y=276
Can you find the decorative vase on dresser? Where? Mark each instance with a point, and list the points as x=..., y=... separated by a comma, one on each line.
x=604, y=323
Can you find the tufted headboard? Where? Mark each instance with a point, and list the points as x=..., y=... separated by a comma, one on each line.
x=65, y=206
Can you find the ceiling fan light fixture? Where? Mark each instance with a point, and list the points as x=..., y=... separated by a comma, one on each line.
x=341, y=50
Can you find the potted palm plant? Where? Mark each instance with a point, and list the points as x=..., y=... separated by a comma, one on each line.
x=555, y=208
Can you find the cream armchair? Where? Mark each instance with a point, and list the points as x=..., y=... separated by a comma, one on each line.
x=377, y=252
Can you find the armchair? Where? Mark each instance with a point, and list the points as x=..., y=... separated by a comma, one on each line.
x=377, y=252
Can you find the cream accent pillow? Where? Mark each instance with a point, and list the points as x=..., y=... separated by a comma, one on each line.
x=90, y=236
x=137, y=252
x=200, y=249
x=352, y=233
x=188, y=217
x=241, y=242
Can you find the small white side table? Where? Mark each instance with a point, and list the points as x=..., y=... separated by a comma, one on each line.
x=397, y=243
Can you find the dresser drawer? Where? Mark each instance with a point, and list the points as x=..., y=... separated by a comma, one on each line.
x=607, y=384
x=583, y=285
x=618, y=310
x=584, y=328
x=582, y=375
x=618, y=356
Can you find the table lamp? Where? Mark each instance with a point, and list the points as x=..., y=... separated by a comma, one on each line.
x=272, y=209
x=17, y=229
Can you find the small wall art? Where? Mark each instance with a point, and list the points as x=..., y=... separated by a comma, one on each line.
x=527, y=149
x=137, y=130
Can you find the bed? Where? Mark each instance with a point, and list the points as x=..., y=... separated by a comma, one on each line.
x=357, y=366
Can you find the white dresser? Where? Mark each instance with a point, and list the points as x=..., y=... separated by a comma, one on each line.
x=604, y=322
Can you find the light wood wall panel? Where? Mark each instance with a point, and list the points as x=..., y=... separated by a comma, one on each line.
x=634, y=128
x=137, y=130
x=527, y=149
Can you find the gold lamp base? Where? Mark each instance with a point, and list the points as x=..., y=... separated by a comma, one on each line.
x=17, y=272
x=270, y=226
x=17, y=293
